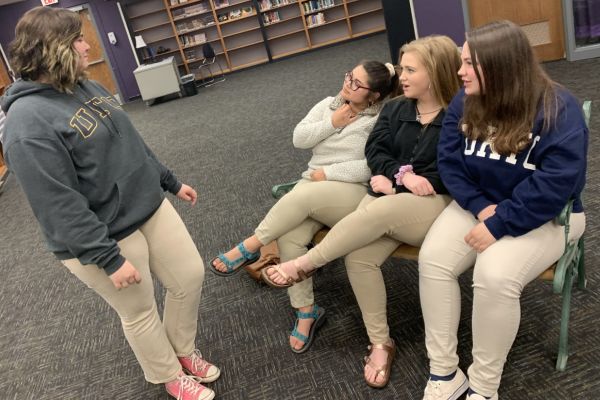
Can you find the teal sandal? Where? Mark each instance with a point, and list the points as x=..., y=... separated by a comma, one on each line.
x=233, y=266
x=318, y=314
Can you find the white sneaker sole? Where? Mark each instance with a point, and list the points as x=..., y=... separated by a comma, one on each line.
x=460, y=390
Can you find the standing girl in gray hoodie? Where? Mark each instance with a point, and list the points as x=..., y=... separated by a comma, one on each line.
x=97, y=192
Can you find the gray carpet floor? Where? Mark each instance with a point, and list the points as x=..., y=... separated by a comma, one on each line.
x=232, y=142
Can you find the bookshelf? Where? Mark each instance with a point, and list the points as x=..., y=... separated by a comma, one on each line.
x=244, y=33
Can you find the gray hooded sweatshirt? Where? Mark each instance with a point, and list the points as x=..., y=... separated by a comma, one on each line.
x=87, y=173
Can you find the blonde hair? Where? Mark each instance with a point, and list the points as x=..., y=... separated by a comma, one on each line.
x=43, y=47
x=439, y=55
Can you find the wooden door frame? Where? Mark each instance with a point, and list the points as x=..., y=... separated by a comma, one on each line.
x=563, y=16
x=87, y=7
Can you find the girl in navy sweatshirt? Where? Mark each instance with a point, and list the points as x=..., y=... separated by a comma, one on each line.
x=512, y=153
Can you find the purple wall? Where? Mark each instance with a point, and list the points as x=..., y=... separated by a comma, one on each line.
x=444, y=17
x=107, y=17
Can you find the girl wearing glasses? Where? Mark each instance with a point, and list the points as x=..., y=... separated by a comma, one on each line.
x=512, y=153
x=336, y=129
x=405, y=194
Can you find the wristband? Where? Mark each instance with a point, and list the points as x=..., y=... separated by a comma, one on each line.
x=401, y=172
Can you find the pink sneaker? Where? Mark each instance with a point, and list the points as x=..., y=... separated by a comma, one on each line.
x=202, y=370
x=187, y=388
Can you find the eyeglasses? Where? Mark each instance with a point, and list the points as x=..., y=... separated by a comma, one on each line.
x=354, y=86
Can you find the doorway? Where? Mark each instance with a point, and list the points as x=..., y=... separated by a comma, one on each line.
x=99, y=68
x=582, y=28
x=542, y=21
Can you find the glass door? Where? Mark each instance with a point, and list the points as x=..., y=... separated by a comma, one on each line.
x=582, y=28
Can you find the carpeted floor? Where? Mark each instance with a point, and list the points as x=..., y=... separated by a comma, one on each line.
x=232, y=142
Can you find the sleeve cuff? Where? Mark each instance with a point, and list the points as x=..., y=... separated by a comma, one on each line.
x=496, y=226
x=478, y=204
x=114, y=264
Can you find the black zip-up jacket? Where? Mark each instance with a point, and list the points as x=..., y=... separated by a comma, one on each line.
x=398, y=139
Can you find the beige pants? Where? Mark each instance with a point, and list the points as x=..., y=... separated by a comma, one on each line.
x=368, y=236
x=298, y=215
x=164, y=247
x=500, y=274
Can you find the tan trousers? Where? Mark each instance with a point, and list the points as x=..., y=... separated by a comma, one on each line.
x=164, y=247
x=500, y=274
x=368, y=236
x=298, y=215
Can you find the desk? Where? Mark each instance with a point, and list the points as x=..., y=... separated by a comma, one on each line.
x=158, y=79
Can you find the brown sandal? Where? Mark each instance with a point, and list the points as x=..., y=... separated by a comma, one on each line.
x=383, y=370
x=302, y=276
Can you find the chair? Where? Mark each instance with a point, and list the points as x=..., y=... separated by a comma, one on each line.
x=569, y=267
x=210, y=58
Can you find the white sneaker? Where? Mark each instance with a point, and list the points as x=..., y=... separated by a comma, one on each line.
x=476, y=396
x=447, y=390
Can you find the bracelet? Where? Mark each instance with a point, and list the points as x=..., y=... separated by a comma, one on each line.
x=401, y=172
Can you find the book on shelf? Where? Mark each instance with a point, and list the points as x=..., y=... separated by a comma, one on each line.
x=193, y=39
x=315, y=19
x=271, y=17
x=314, y=5
x=194, y=24
x=268, y=4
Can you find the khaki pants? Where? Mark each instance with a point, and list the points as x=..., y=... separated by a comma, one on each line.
x=500, y=274
x=368, y=236
x=164, y=247
x=298, y=215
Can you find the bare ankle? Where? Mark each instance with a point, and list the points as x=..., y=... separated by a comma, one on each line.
x=252, y=244
x=306, y=308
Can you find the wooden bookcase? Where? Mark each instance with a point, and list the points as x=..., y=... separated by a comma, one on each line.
x=244, y=33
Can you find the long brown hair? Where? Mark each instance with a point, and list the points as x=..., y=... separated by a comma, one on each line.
x=43, y=47
x=439, y=55
x=513, y=88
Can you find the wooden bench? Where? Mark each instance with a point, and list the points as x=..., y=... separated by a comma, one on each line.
x=569, y=267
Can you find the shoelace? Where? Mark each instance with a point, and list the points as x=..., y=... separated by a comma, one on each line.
x=198, y=363
x=432, y=390
x=189, y=385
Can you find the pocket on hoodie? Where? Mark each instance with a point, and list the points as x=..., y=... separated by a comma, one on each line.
x=140, y=194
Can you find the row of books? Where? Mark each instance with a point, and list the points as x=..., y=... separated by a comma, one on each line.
x=192, y=40
x=315, y=19
x=221, y=3
x=196, y=23
x=314, y=5
x=268, y=4
x=235, y=14
x=271, y=17
x=176, y=2
x=185, y=12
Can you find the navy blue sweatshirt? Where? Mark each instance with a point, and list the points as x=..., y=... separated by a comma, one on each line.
x=529, y=188
x=87, y=173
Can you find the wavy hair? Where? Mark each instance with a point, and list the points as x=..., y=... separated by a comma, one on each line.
x=43, y=47
x=439, y=54
x=513, y=88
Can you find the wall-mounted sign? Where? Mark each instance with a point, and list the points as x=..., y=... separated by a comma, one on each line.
x=49, y=2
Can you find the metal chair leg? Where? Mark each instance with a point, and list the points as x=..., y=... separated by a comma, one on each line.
x=563, y=340
x=581, y=277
